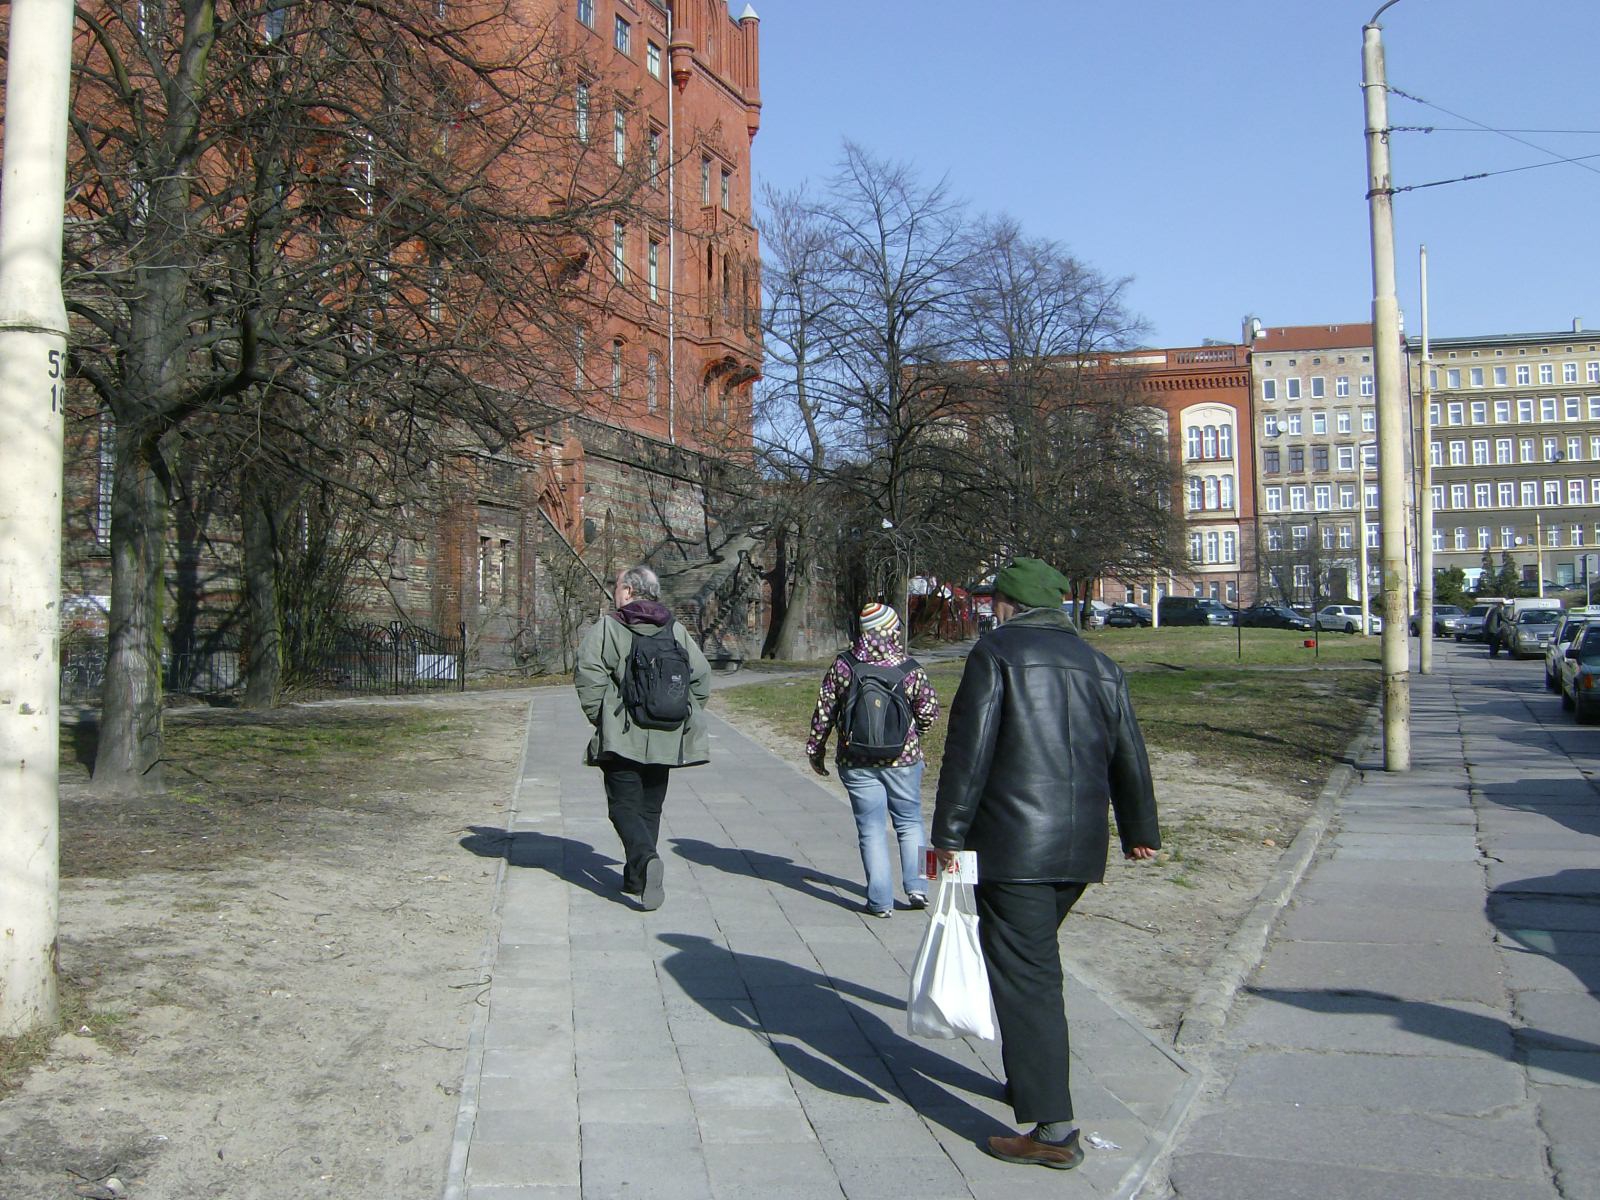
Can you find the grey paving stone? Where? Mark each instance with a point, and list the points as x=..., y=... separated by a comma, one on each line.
x=888, y=1176
x=522, y=1161
x=1562, y=1020
x=766, y=1125
x=1528, y=969
x=1408, y=972
x=1378, y=1082
x=1315, y=1020
x=635, y=1106
x=1315, y=921
x=1395, y=896
x=539, y=1116
x=782, y=1171
x=513, y=1192
x=645, y=1173
x=1211, y=1176
x=1406, y=849
x=1562, y=1068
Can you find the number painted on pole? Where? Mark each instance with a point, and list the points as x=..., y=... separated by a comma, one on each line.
x=58, y=393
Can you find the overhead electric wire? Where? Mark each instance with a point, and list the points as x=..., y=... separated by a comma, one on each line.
x=1577, y=161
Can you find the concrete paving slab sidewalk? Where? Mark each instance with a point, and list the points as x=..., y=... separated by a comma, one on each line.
x=747, y=1039
x=1425, y=1022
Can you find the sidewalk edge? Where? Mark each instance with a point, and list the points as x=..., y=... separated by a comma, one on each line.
x=455, y=1181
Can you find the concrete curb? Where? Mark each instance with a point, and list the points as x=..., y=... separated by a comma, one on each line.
x=455, y=1180
x=1209, y=1006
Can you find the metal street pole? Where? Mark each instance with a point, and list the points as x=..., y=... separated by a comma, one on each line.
x=1425, y=493
x=33, y=356
x=1391, y=402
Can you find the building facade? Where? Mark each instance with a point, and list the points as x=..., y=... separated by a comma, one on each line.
x=1515, y=447
x=1316, y=446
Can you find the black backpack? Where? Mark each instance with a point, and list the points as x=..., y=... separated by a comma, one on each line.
x=875, y=719
x=655, y=681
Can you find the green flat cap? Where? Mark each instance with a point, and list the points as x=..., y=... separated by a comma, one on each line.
x=1032, y=583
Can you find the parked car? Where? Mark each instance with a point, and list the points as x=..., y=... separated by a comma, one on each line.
x=1273, y=616
x=1193, y=610
x=1095, y=614
x=1469, y=626
x=1531, y=631
x=1348, y=618
x=1580, y=675
x=1445, y=617
x=1128, y=616
x=1568, y=633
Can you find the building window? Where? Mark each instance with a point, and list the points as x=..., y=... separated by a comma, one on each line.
x=1573, y=408
x=622, y=37
x=1574, y=449
x=1294, y=424
x=1461, y=538
x=1274, y=499
x=1593, y=372
x=1274, y=537
x=1197, y=494
x=1480, y=495
x=1342, y=422
x=1550, y=449
x=1480, y=412
x=1208, y=442
x=1297, y=499
x=1297, y=459
x=652, y=382
x=1475, y=376
x=1269, y=389
x=616, y=369
x=1224, y=441
x=1500, y=377
x=1547, y=408
x=1438, y=496
x=1575, y=491
x=653, y=145
x=586, y=12
x=1480, y=452
x=1436, y=453
x=1210, y=491
x=1452, y=378
x=727, y=191
x=1453, y=413
x=1502, y=412
x=1319, y=458
x=1299, y=536
x=652, y=59
x=1347, y=458
x=1347, y=495
x=1291, y=388
x=1530, y=494
x=619, y=136
x=1526, y=445
x=1322, y=497
x=1213, y=545
x=1508, y=494
x=1483, y=537
x=1369, y=420
x=1341, y=386
x=1195, y=547
x=1346, y=537
x=1577, y=535
x=1271, y=459
x=1458, y=454
x=1458, y=495
x=1366, y=385
x=1319, y=387
x=1525, y=410
x=1524, y=375
x=1552, y=491
x=1552, y=536
x=1547, y=372
x=1194, y=441
x=1225, y=491
x=1319, y=422
x=619, y=249
x=705, y=181
x=1438, y=539
x=655, y=270
x=1594, y=408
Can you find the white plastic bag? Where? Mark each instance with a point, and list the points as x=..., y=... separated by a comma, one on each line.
x=949, y=993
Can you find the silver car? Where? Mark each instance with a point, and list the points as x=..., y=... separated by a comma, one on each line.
x=1532, y=632
x=1565, y=636
x=1469, y=628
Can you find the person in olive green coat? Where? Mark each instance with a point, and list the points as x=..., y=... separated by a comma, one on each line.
x=633, y=759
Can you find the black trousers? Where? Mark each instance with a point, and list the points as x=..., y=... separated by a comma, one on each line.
x=1017, y=924
x=634, y=795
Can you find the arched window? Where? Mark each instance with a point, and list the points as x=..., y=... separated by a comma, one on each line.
x=1196, y=494
x=616, y=369
x=1225, y=491
x=652, y=380
x=1193, y=439
x=1229, y=553
x=1209, y=441
x=1211, y=491
x=1225, y=441
x=1211, y=547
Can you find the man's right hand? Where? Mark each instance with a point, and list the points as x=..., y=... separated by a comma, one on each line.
x=819, y=763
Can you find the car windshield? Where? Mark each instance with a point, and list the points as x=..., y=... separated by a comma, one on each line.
x=1478, y=610
x=1538, y=617
x=1445, y=610
x=1569, y=631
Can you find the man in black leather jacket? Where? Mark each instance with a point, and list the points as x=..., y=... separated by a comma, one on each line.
x=1042, y=743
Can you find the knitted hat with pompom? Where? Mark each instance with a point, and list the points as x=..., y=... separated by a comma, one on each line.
x=879, y=618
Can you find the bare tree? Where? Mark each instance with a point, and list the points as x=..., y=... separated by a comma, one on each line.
x=326, y=243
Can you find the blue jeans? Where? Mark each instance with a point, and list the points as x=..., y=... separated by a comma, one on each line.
x=896, y=792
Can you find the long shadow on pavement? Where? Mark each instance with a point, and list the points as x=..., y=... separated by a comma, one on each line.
x=757, y=864
x=1490, y=1035
x=579, y=863
x=827, y=1040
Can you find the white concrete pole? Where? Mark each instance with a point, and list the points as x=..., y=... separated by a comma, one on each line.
x=1425, y=493
x=1391, y=399
x=33, y=353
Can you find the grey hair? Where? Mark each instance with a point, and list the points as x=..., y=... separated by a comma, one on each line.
x=642, y=582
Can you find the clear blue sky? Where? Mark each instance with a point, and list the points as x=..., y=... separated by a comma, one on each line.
x=1213, y=150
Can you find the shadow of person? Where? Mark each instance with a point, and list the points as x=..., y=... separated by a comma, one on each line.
x=833, y=1044
x=1491, y=1035
x=575, y=862
x=757, y=864
x=1522, y=909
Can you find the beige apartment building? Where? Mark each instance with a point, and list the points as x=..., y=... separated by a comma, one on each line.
x=1515, y=446
x=1315, y=440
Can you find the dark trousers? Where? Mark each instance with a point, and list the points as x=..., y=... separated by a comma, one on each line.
x=1017, y=924
x=634, y=795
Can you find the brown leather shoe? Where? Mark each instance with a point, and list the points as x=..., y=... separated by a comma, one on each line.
x=1030, y=1151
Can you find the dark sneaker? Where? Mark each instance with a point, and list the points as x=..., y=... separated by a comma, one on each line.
x=877, y=912
x=917, y=900
x=1032, y=1151
x=653, y=894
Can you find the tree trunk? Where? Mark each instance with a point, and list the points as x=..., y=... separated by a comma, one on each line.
x=263, y=680
x=789, y=644
x=128, y=760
